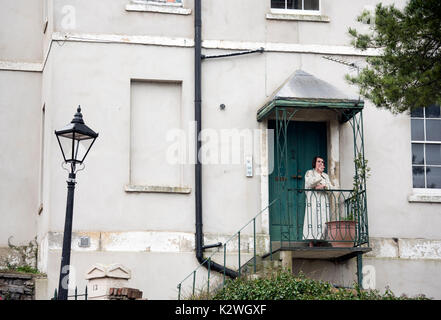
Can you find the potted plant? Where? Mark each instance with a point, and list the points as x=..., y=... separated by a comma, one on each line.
x=342, y=232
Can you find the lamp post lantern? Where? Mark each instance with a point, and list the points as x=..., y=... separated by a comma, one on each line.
x=75, y=141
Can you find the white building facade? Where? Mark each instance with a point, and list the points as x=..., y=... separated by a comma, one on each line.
x=131, y=66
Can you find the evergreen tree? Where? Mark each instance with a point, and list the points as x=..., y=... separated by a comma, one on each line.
x=407, y=72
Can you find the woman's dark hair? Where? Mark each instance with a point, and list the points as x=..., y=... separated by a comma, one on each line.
x=315, y=160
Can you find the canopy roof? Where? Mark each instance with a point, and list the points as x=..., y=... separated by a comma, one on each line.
x=303, y=90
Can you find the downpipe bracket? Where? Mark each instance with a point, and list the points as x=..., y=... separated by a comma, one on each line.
x=209, y=246
x=260, y=50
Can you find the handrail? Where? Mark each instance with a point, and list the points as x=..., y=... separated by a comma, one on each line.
x=194, y=273
x=179, y=286
x=272, y=202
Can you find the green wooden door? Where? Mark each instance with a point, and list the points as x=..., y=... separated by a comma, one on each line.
x=305, y=140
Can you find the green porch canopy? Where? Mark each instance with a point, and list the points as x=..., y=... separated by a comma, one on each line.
x=303, y=90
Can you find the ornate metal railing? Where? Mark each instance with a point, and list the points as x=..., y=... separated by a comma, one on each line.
x=332, y=217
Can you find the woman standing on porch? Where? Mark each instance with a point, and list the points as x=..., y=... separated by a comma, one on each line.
x=317, y=211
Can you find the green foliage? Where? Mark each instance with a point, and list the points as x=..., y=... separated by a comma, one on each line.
x=349, y=217
x=362, y=173
x=407, y=73
x=26, y=269
x=283, y=285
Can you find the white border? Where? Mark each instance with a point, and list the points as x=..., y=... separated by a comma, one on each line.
x=296, y=12
x=187, y=43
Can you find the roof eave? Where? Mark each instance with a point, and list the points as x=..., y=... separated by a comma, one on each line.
x=341, y=104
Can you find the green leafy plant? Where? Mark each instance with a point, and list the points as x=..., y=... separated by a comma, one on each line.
x=27, y=269
x=362, y=173
x=284, y=285
x=349, y=217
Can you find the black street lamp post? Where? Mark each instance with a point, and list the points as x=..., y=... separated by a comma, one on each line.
x=75, y=141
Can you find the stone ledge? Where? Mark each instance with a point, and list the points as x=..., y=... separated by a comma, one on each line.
x=429, y=198
x=12, y=275
x=157, y=189
x=405, y=248
x=152, y=241
x=21, y=66
x=157, y=8
x=297, y=17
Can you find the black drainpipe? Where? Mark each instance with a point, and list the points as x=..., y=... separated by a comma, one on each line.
x=198, y=168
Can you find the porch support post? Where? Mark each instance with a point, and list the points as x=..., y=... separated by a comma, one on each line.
x=283, y=117
x=282, y=163
x=362, y=223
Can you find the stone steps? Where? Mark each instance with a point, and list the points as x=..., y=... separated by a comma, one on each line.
x=263, y=266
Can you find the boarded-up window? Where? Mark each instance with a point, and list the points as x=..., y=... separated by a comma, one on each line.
x=155, y=109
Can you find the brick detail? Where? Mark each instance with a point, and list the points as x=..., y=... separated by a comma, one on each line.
x=124, y=294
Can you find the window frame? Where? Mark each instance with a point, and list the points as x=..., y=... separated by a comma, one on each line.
x=424, y=142
x=297, y=11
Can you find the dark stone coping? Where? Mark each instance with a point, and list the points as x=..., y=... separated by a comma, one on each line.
x=20, y=275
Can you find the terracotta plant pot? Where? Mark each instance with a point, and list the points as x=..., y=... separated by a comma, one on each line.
x=339, y=231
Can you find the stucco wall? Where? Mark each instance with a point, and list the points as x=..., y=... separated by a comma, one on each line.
x=244, y=20
x=93, y=61
x=19, y=160
x=99, y=80
x=111, y=17
x=21, y=32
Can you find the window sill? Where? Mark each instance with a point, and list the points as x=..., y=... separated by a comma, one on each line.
x=297, y=17
x=157, y=189
x=428, y=198
x=157, y=8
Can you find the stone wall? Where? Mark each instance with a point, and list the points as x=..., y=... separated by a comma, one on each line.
x=18, y=286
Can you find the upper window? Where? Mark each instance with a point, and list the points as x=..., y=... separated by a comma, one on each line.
x=426, y=147
x=296, y=6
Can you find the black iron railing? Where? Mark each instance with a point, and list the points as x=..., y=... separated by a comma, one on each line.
x=75, y=296
x=334, y=216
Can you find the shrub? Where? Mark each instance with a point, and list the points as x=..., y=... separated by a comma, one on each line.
x=283, y=285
